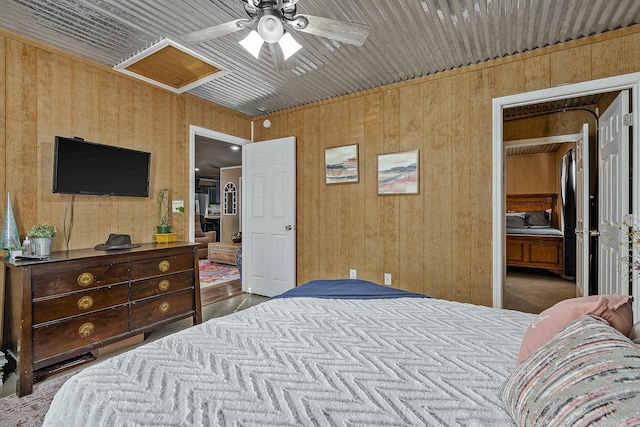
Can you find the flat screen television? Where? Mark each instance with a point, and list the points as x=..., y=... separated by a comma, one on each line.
x=83, y=167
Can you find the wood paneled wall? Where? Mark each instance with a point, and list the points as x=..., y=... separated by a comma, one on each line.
x=438, y=242
x=537, y=174
x=530, y=174
x=45, y=92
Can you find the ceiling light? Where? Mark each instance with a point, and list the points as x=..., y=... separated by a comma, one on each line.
x=270, y=28
x=253, y=43
x=235, y=147
x=288, y=45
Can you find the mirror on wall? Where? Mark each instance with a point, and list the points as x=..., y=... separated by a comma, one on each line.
x=230, y=200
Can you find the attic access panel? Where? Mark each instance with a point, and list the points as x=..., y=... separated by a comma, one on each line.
x=171, y=66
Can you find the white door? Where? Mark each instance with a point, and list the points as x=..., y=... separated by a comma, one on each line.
x=613, y=195
x=269, y=231
x=582, y=212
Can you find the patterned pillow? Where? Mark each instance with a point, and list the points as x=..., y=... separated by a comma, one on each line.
x=634, y=335
x=538, y=219
x=515, y=219
x=588, y=374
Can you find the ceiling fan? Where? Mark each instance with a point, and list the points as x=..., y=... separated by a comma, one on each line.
x=269, y=21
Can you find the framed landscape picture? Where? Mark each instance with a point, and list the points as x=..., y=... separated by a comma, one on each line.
x=341, y=164
x=398, y=173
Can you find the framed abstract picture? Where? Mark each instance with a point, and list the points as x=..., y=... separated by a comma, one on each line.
x=341, y=164
x=398, y=173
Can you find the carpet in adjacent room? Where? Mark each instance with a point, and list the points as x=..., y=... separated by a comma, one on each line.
x=213, y=273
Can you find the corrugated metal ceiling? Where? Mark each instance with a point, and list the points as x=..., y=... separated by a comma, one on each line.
x=531, y=149
x=408, y=39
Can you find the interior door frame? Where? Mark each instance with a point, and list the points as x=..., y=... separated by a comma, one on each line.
x=207, y=133
x=610, y=84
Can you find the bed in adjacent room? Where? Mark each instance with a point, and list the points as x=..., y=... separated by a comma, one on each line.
x=533, y=237
x=344, y=352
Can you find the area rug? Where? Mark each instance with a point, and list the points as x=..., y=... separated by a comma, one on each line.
x=29, y=410
x=212, y=273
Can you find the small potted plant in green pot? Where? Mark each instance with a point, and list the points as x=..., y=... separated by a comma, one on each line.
x=163, y=226
x=41, y=236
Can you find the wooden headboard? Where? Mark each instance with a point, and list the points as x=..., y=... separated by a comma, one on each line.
x=530, y=202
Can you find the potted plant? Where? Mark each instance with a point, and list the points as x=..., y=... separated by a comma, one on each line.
x=14, y=250
x=164, y=197
x=41, y=236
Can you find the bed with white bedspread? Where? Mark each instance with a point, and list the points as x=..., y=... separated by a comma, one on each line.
x=308, y=361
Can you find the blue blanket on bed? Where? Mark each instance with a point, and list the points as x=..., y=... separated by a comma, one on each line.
x=346, y=289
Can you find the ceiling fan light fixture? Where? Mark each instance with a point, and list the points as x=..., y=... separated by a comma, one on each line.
x=253, y=43
x=288, y=45
x=270, y=28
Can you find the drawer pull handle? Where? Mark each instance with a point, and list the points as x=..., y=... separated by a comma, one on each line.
x=164, y=307
x=164, y=285
x=86, y=329
x=85, y=279
x=164, y=265
x=85, y=303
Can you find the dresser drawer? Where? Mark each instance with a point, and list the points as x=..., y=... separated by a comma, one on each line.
x=79, y=303
x=160, y=266
x=78, y=332
x=66, y=281
x=161, y=285
x=149, y=311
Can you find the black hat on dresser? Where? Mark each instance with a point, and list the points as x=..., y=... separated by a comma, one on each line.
x=117, y=241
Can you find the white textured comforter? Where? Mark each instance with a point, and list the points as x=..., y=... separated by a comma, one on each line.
x=308, y=361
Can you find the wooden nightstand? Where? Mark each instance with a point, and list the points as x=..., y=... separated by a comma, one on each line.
x=223, y=252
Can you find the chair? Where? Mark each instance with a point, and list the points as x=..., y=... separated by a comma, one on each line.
x=203, y=237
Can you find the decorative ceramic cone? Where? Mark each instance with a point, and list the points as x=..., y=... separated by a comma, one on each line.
x=10, y=237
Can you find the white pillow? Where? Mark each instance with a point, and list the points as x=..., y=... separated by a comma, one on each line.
x=634, y=335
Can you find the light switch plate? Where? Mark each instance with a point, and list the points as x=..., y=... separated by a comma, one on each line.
x=176, y=204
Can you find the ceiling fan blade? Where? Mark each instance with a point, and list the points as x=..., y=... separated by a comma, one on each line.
x=215, y=31
x=342, y=31
x=278, y=59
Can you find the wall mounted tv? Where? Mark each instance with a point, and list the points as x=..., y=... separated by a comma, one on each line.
x=83, y=167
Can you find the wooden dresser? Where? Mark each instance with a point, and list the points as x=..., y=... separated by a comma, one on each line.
x=77, y=302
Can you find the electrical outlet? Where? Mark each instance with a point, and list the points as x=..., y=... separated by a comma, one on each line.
x=387, y=279
x=353, y=273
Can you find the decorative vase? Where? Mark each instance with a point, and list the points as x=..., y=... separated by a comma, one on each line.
x=41, y=246
x=10, y=235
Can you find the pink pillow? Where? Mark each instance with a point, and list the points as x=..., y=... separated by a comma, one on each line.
x=615, y=309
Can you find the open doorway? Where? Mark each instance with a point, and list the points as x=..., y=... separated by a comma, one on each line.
x=541, y=213
x=212, y=155
x=568, y=92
